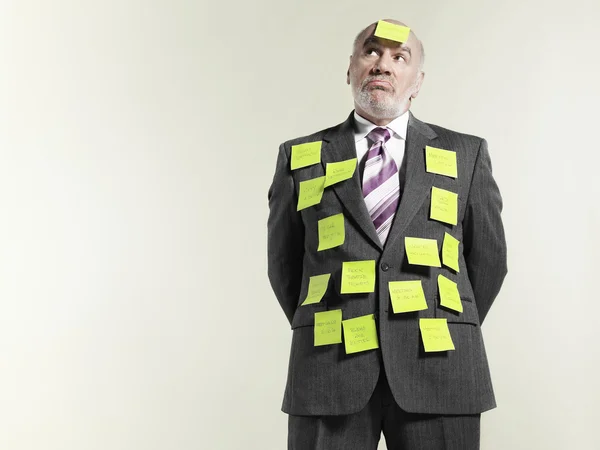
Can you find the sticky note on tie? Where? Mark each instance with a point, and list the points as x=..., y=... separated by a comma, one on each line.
x=339, y=171
x=317, y=286
x=331, y=232
x=444, y=206
x=407, y=296
x=441, y=161
x=450, y=252
x=392, y=31
x=306, y=154
x=422, y=252
x=311, y=192
x=358, y=277
x=360, y=334
x=449, y=296
x=328, y=327
x=436, y=335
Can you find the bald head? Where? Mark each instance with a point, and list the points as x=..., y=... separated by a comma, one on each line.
x=370, y=30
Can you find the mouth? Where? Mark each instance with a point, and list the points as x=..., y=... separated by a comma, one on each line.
x=379, y=84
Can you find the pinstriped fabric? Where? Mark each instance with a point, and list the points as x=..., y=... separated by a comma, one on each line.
x=381, y=187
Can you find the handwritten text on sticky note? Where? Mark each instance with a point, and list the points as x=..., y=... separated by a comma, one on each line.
x=339, y=171
x=328, y=327
x=331, y=232
x=444, y=206
x=392, y=31
x=449, y=295
x=306, y=154
x=436, y=335
x=358, y=277
x=317, y=286
x=360, y=334
x=407, y=296
x=422, y=252
x=311, y=192
x=441, y=161
x=450, y=252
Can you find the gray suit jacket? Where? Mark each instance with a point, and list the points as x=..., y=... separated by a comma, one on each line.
x=324, y=380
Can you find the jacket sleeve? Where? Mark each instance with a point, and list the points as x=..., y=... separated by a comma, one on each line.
x=483, y=234
x=285, y=237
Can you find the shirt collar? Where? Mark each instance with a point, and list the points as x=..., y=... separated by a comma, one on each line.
x=362, y=126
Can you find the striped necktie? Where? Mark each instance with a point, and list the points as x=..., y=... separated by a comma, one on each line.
x=381, y=187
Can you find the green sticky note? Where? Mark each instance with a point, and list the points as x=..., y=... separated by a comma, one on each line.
x=436, y=335
x=422, y=252
x=441, y=161
x=328, y=327
x=311, y=192
x=449, y=296
x=407, y=296
x=360, y=334
x=306, y=154
x=317, y=286
x=450, y=251
x=331, y=232
x=339, y=171
x=358, y=277
x=444, y=206
x=392, y=31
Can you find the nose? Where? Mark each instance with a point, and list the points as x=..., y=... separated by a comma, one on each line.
x=382, y=65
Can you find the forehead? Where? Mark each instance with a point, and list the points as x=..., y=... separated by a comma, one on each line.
x=367, y=37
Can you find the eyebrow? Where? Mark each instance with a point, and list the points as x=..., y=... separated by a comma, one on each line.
x=374, y=40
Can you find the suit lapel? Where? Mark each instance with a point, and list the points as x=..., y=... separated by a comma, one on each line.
x=418, y=181
x=340, y=146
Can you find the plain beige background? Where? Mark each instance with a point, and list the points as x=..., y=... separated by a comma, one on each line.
x=138, y=140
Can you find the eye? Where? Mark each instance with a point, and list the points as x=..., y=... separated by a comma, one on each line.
x=371, y=51
x=399, y=58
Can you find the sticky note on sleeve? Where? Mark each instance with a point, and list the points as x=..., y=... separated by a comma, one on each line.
x=328, y=327
x=449, y=295
x=339, y=171
x=360, y=334
x=450, y=252
x=444, y=206
x=392, y=31
x=331, y=232
x=422, y=252
x=306, y=154
x=358, y=277
x=310, y=192
x=317, y=286
x=407, y=296
x=441, y=161
x=436, y=335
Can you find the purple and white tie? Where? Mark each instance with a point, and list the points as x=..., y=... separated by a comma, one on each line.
x=381, y=186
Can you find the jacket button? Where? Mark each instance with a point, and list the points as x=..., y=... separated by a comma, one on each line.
x=385, y=267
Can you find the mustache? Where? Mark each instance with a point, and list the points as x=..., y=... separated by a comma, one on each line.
x=378, y=78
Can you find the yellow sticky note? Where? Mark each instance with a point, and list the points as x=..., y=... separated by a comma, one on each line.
x=328, y=327
x=441, y=161
x=306, y=154
x=392, y=31
x=444, y=206
x=450, y=251
x=449, y=295
x=311, y=192
x=339, y=171
x=407, y=296
x=331, y=232
x=317, y=286
x=360, y=334
x=422, y=252
x=436, y=335
x=358, y=277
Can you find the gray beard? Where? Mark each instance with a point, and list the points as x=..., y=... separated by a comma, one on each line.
x=378, y=109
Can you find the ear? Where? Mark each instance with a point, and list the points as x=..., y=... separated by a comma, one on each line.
x=418, y=84
x=348, y=72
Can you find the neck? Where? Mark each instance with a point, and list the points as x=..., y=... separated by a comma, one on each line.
x=379, y=121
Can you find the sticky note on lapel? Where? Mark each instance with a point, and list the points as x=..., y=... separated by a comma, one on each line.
x=441, y=161
x=305, y=154
x=310, y=192
x=339, y=171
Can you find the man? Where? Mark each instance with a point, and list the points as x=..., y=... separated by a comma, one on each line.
x=361, y=245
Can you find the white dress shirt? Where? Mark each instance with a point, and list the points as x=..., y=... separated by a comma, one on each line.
x=395, y=145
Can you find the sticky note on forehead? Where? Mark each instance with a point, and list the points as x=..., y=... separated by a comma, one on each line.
x=391, y=31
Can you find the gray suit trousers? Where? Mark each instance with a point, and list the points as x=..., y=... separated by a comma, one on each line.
x=402, y=430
